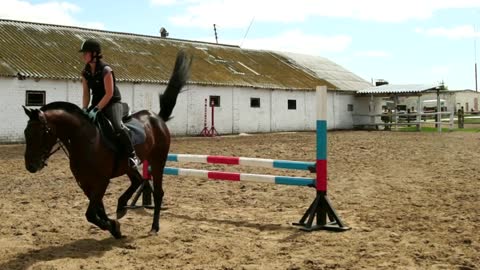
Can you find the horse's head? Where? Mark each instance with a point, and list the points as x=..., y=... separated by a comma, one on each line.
x=39, y=139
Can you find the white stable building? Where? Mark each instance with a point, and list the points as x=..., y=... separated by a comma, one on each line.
x=253, y=90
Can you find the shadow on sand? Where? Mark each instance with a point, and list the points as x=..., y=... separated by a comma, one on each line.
x=80, y=249
x=246, y=224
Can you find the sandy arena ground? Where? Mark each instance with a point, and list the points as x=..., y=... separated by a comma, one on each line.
x=412, y=200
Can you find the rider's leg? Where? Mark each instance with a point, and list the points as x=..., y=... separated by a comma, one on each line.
x=115, y=113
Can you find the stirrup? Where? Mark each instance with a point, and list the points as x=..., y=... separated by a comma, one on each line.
x=133, y=161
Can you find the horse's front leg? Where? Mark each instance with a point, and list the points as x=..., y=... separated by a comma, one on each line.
x=135, y=182
x=96, y=214
x=96, y=211
x=114, y=227
x=94, y=218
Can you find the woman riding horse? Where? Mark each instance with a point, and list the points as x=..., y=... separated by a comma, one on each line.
x=92, y=162
x=99, y=79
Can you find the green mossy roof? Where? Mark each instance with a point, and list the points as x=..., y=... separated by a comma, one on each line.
x=51, y=51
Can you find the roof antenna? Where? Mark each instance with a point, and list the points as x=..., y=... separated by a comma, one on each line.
x=248, y=29
x=215, y=31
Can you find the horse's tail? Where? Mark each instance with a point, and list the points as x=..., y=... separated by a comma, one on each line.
x=180, y=75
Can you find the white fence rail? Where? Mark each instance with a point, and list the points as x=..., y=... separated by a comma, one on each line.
x=388, y=120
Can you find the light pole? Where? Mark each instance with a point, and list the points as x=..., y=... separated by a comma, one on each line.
x=475, y=54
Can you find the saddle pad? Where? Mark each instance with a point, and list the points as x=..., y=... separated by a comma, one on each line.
x=137, y=132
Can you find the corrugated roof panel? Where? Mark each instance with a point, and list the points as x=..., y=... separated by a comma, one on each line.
x=51, y=51
x=325, y=69
x=399, y=88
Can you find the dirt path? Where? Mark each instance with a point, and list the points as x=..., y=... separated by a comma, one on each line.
x=412, y=199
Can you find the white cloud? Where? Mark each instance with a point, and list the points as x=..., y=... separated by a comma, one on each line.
x=237, y=14
x=379, y=54
x=52, y=12
x=295, y=41
x=463, y=31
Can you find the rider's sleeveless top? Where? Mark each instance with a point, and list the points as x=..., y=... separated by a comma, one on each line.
x=96, y=84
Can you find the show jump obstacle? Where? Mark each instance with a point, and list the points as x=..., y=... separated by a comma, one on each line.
x=321, y=210
x=212, y=132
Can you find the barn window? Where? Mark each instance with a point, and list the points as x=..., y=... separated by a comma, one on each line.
x=215, y=100
x=255, y=102
x=292, y=104
x=35, y=98
x=350, y=107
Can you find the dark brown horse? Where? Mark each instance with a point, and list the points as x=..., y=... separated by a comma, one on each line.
x=92, y=162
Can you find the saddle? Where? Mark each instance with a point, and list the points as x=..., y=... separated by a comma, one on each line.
x=108, y=134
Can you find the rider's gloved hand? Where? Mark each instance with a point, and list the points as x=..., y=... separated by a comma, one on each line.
x=92, y=114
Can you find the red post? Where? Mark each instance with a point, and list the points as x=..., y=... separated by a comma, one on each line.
x=145, y=189
x=145, y=170
x=212, y=104
x=213, y=132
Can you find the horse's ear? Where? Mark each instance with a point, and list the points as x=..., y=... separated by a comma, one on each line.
x=28, y=111
x=33, y=114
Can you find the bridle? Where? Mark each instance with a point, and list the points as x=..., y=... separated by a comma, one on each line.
x=47, y=153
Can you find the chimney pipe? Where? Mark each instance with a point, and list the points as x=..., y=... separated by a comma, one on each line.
x=163, y=32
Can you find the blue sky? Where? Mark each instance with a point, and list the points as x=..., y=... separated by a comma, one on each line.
x=409, y=41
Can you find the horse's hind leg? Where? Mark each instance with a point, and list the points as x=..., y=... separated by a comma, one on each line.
x=157, y=173
x=135, y=182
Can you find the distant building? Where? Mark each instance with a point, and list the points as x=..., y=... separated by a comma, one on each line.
x=255, y=91
x=451, y=100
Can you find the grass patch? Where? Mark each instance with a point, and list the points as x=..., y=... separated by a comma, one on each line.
x=434, y=129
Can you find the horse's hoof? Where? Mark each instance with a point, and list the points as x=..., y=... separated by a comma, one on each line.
x=115, y=230
x=153, y=233
x=121, y=213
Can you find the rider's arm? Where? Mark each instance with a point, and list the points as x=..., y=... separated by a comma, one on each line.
x=108, y=82
x=86, y=94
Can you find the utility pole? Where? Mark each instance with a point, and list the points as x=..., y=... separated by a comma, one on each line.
x=215, y=30
x=475, y=53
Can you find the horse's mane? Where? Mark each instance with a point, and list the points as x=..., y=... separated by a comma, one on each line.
x=65, y=106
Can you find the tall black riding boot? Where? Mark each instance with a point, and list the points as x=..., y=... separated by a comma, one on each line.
x=129, y=149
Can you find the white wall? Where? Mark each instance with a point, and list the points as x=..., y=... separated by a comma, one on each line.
x=247, y=119
x=12, y=118
x=13, y=91
x=284, y=119
x=467, y=99
x=341, y=118
x=362, y=107
x=233, y=116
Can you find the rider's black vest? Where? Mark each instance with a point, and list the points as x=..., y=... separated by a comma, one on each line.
x=96, y=84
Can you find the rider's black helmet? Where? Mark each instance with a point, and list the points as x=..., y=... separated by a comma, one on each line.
x=91, y=45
